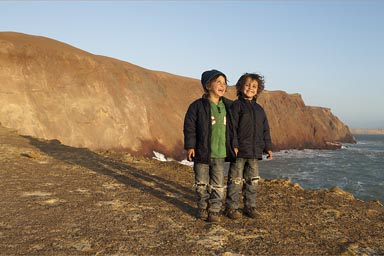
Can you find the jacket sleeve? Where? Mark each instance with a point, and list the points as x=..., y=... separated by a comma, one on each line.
x=235, y=113
x=267, y=135
x=190, y=127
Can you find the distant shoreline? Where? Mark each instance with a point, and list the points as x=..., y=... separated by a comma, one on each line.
x=367, y=131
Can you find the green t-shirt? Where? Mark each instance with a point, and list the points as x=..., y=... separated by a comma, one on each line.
x=218, y=119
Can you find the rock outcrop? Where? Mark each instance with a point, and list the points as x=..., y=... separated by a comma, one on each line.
x=295, y=125
x=367, y=131
x=52, y=90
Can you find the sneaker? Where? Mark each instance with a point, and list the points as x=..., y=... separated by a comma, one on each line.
x=202, y=214
x=213, y=217
x=233, y=214
x=251, y=212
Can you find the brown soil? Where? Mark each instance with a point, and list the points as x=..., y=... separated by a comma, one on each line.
x=61, y=200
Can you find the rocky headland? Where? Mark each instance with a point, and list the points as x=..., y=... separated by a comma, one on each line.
x=52, y=90
x=62, y=200
x=367, y=131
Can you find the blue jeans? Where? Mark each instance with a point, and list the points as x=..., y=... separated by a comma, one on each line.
x=209, y=184
x=243, y=176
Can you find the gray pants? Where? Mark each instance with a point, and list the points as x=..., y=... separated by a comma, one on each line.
x=209, y=184
x=243, y=176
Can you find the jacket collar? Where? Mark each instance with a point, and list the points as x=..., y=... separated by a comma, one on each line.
x=245, y=100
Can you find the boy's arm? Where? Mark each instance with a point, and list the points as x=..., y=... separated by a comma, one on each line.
x=235, y=124
x=190, y=131
x=267, y=138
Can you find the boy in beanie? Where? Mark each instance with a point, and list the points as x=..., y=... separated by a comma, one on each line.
x=206, y=139
x=251, y=138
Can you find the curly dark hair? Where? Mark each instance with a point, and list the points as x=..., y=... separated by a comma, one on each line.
x=241, y=82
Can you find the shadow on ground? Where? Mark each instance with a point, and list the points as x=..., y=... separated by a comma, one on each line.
x=120, y=171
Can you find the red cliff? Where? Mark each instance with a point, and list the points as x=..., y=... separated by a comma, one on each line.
x=52, y=90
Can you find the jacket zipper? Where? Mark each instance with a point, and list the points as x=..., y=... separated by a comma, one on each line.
x=253, y=128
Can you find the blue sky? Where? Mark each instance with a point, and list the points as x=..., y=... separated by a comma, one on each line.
x=331, y=52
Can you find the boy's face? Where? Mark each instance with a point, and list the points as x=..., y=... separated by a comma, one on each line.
x=250, y=88
x=217, y=87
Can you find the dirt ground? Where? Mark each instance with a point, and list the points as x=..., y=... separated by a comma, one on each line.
x=61, y=200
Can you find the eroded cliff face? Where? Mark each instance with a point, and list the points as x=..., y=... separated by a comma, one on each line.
x=295, y=125
x=51, y=90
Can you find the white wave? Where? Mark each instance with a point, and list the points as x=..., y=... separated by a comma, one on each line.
x=306, y=153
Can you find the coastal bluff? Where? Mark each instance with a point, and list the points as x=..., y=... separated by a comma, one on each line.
x=52, y=90
x=367, y=131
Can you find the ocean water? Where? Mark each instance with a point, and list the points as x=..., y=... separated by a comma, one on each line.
x=356, y=168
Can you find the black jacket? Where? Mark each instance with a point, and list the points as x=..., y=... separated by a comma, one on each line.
x=197, y=130
x=250, y=129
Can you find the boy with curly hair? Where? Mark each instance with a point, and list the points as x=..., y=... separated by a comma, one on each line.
x=251, y=138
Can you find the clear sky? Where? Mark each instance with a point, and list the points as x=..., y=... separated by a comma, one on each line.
x=331, y=52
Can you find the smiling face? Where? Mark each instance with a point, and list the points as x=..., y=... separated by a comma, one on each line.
x=217, y=87
x=250, y=88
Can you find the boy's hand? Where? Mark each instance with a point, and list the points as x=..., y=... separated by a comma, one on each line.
x=236, y=150
x=190, y=154
x=269, y=156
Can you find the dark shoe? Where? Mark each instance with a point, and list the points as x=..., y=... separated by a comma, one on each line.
x=213, y=217
x=251, y=212
x=202, y=214
x=233, y=214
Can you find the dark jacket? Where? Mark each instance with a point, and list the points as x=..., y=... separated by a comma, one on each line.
x=197, y=130
x=250, y=129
